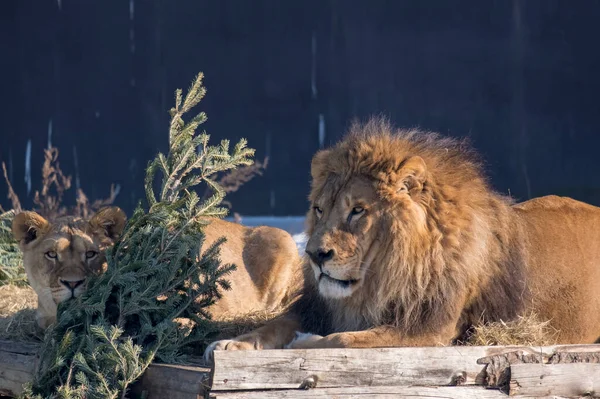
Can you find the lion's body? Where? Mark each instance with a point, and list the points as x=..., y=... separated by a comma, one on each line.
x=267, y=268
x=409, y=246
x=563, y=264
x=266, y=260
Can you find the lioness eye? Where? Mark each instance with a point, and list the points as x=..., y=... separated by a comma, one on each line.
x=90, y=254
x=318, y=211
x=50, y=255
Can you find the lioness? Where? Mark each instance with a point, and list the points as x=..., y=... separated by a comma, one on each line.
x=409, y=246
x=58, y=257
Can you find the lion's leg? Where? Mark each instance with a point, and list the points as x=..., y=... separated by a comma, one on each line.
x=45, y=314
x=379, y=337
x=273, y=335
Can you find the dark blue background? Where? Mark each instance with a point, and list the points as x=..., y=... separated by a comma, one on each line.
x=520, y=78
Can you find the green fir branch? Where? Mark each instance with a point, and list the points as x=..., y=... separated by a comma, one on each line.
x=104, y=340
x=11, y=259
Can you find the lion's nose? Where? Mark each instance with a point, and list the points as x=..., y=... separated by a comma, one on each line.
x=72, y=284
x=321, y=255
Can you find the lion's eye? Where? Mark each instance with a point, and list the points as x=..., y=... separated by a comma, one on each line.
x=318, y=211
x=90, y=254
x=357, y=210
x=51, y=255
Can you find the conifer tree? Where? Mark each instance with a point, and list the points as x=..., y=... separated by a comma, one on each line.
x=105, y=339
x=11, y=263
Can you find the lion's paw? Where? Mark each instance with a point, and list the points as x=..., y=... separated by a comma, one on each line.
x=303, y=340
x=228, y=345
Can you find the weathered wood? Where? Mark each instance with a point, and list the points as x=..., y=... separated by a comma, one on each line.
x=369, y=392
x=377, y=370
x=565, y=379
x=499, y=365
x=175, y=382
x=335, y=368
x=18, y=364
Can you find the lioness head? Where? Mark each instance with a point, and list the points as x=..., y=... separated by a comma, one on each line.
x=60, y=255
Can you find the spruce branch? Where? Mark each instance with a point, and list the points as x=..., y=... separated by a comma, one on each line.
x=11, y=258
x=105, y=339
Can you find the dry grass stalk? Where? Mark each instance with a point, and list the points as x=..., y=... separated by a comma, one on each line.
x=527, y=330
x=234, y=179
x=85, y=209
x=48, y=201
x=12, y=196
x=49, y=205
x=17, y=314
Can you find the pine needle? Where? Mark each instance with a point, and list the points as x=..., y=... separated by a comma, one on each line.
x=129, y=316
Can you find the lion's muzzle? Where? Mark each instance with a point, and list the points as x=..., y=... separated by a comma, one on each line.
x=320, y=255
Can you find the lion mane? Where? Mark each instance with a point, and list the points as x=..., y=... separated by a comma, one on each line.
x=409, y=245
x=464, y=241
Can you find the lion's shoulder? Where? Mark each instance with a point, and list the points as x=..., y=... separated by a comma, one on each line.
x=555, y=203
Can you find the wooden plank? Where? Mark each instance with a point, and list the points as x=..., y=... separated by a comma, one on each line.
x=18, y=364
x=174, y=382
x=336, y=368
x=566, y=379
x=369, y=392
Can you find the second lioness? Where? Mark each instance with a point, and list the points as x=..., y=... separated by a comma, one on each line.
x=59, y=255
x=268, y=268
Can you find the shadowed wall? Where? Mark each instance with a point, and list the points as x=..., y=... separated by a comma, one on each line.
x=520, y=78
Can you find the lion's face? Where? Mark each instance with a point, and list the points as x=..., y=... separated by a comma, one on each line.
x=352, y=217
x=59, y=256
x=343, y=223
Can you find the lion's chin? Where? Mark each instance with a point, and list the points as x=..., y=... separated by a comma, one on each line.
x=66, y=295
x=332, y=288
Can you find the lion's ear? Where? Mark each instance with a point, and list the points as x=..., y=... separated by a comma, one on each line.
x=28, y=226
x=411, y=174
x=109, y=222
x=318, y=166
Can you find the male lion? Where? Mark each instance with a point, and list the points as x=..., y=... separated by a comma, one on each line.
x=409, y=246
x=58, y=257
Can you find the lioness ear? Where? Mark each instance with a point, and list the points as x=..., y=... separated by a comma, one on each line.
x=109, y=221
x=27, y=226
x=411, y=174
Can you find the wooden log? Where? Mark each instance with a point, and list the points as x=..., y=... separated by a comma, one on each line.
x=174, y=382
x=565, y=379
x=336, y=368
x=369, y=392
x=18, y=364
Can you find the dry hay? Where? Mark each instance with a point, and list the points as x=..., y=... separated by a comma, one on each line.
x=17, y=314
x=18, y=304
x=526, y=330
x=227, y=327
x=233, y=326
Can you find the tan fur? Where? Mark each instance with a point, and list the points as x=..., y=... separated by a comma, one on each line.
x=59, y=255
x=266, y=259
x=433, y=250
x=267, y=268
